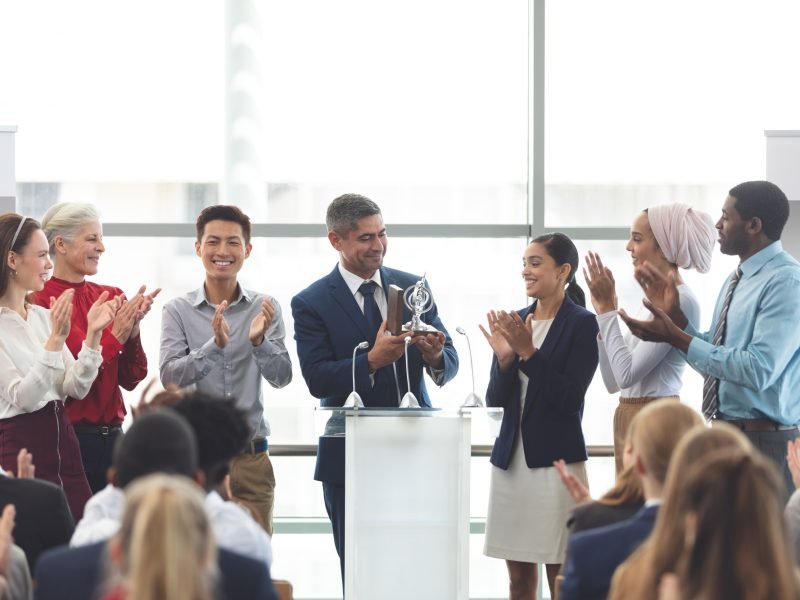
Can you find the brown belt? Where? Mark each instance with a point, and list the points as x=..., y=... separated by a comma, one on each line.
x=755, y=424
x=645, y=399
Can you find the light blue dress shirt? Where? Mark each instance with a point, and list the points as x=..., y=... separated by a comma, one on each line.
x=190, y=356
x=758, y=364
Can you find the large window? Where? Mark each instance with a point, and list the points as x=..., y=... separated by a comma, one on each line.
x=151, y=109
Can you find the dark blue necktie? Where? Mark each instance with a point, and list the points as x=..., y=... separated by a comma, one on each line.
x=371, y=311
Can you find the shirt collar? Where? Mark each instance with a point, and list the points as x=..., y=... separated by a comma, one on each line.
x=354, y=282
x=753, y=264
x=200, y=296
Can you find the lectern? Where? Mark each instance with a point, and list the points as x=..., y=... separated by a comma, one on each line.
x=407, y=502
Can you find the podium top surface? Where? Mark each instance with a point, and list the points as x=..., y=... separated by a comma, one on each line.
x=331, y=419
x=390, y=411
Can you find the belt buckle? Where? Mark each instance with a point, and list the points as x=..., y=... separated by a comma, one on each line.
x=105, y=429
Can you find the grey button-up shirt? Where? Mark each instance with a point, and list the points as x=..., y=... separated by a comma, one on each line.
x=190, y=357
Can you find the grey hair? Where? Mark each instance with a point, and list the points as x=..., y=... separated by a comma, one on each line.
x=65, y=219
x=346, y=210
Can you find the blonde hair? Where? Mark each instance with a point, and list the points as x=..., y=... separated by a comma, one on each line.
x=65, y=219
x=166, y=541
x=627, y=488
x=659, y=427
x=638, y=577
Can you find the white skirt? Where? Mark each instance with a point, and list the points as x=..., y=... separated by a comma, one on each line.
x=528, y=511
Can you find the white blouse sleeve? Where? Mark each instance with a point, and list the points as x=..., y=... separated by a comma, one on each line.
x=80, y=374
x=605, y=365
x=25, y=389
x=629, y=365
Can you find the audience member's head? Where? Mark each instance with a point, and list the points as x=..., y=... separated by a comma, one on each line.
x=165, y=547
x=627, y=488
x=639, y=576
x=735, y=541
x=158, y=442
x=221, y=430
x=658, y=428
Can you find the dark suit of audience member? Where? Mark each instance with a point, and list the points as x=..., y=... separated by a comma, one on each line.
x=594, y=555
x=596, y=514
x=43, y=518
x=76, y=573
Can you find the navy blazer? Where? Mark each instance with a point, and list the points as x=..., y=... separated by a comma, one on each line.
x=328, y=324
x=594, y=555
x=78, y=574
x=558, y=377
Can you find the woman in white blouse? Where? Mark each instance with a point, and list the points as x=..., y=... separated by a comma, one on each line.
x=667, y=236
x=37, y=371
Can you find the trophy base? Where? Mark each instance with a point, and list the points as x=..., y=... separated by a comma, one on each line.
x=419, y=328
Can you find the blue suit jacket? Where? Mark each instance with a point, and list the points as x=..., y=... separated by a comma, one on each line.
x=559, y=374
x=594, y=555
x=75, y=574
x=328, y=324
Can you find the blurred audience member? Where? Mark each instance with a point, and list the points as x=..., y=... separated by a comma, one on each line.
x=636, y=578
x=594, y=555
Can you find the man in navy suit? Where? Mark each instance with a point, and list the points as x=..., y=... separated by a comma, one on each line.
x=594, y=555
x=349, y=306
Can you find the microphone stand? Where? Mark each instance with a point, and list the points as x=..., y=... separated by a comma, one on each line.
x=473, y=400
x=409, y=400
x=354, y=400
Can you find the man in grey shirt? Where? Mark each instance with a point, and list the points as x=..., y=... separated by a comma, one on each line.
x=222, y=339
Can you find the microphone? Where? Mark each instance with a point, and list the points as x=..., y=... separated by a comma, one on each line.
x=473, y=400
x=409, y=400
x=354, y=400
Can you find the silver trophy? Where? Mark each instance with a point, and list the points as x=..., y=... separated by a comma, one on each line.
x=418, y=300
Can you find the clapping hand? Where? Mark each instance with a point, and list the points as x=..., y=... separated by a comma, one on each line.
x=220, y=325
x=144, y=307
x=259, y=326
x=498, y=342
x=601, y=284
x=60, y=320
x=6, y=541
x=518, y=333
x=576, y=489
x=100, y=316
x=661, y=291
x=125, y=319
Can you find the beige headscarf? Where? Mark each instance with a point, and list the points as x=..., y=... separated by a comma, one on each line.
x=686, y=236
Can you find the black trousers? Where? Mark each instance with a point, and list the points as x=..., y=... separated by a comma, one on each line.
x=773, y=445
x=334, y=504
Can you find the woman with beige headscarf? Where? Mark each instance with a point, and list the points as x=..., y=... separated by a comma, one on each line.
x=667, y=237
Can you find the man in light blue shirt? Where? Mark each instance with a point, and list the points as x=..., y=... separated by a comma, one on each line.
x=751, y=354
x=223, y=340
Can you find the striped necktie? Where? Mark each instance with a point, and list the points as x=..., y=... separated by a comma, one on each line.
x=711, y=383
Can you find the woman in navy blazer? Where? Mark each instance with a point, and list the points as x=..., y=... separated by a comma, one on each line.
x=545, y=358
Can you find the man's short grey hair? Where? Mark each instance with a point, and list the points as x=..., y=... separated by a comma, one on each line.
x=347, y=210
x=65, y=219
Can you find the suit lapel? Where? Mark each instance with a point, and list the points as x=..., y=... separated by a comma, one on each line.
x=341, y=295
x=550, y=340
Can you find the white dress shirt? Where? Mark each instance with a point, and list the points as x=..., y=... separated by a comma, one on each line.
x=234, y=529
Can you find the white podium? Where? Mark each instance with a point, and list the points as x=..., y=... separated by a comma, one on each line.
x=406, y=502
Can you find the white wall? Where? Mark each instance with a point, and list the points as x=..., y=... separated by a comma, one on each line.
x=783, y=169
